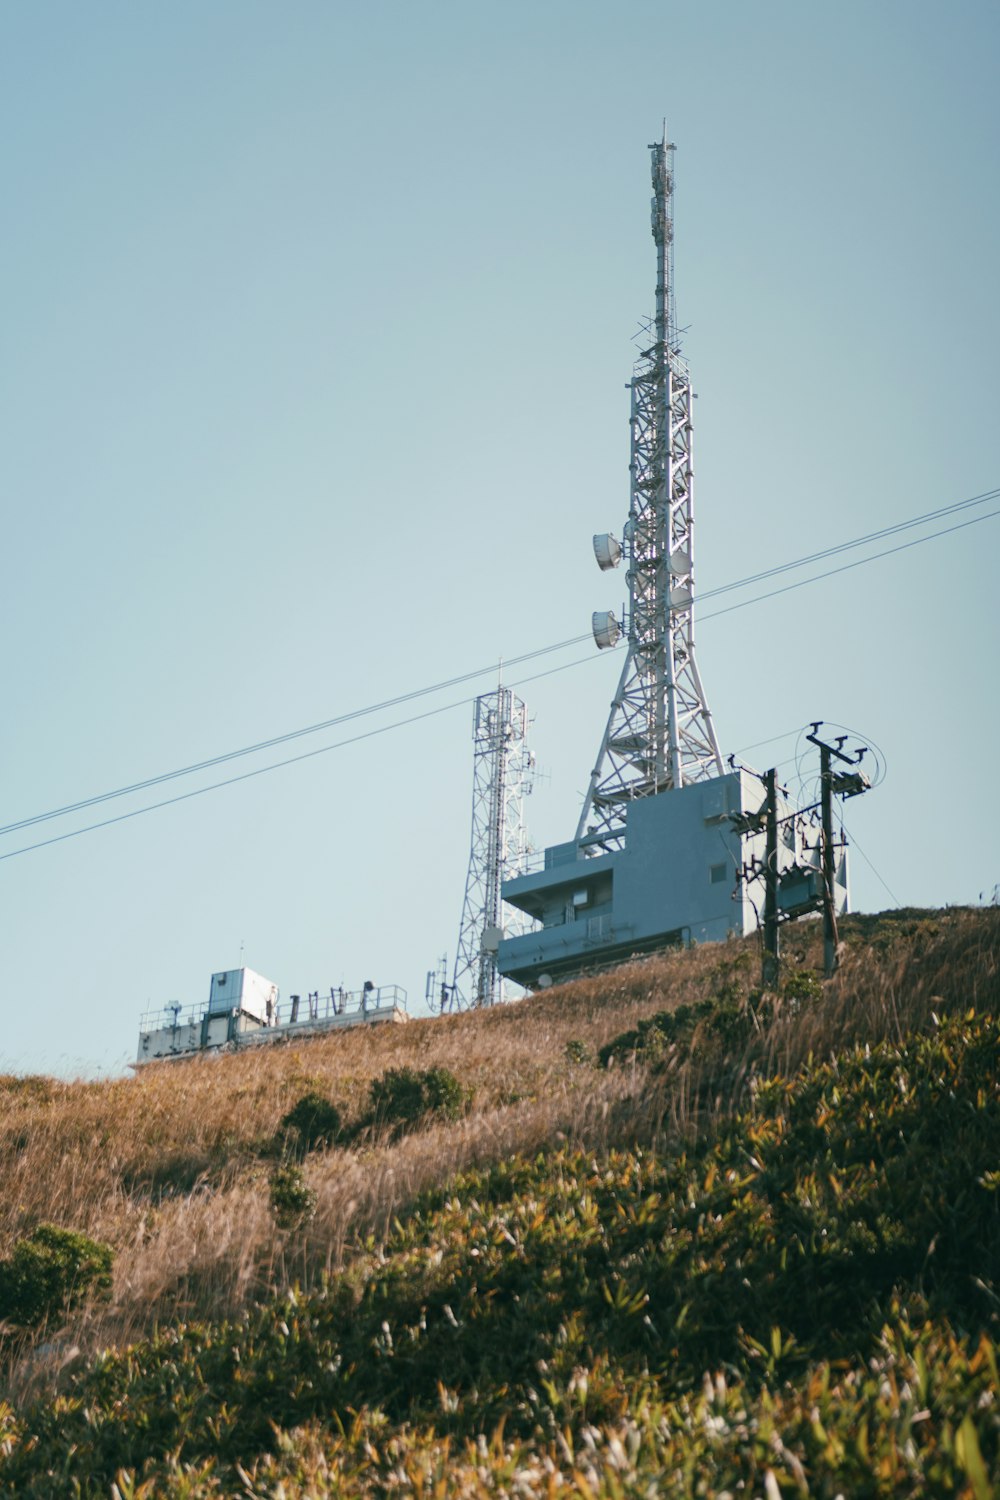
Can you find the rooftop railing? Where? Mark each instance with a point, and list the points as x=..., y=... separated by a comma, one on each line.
x=298, y=1012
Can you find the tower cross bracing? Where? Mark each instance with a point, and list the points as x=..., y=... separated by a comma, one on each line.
x=502, y=775
x=660, y=732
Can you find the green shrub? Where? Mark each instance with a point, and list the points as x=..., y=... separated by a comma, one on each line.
x=50, y=1271
x=653, y=1038
x=799, y=984
x=444, y=1094
x=578, y=1052
x=313, y=1121
x=405, y=1097
x=293, y=1201
x=725, y=1023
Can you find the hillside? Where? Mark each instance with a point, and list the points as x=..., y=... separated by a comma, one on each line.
x=649, y=1233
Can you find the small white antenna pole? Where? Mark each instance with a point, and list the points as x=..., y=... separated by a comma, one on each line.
x=501, y=776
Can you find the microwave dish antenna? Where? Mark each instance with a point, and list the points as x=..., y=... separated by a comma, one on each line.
x=607, y=550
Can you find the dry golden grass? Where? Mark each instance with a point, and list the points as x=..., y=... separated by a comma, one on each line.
x=171, y=1166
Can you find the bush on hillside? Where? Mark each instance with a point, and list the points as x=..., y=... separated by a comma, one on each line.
x=801, y=985
x=293, y=1201
x=50, y=1271
x=312, y=1122
x=724, y=1022
x=652, y=1040
x=405, y=1097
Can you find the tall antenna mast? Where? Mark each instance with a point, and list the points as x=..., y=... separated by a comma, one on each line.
x=502, y=776
x=660, y=732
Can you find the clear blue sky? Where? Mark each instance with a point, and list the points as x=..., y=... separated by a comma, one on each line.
x=316, y=322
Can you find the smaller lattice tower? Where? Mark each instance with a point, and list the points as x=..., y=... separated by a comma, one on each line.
x=503, y=772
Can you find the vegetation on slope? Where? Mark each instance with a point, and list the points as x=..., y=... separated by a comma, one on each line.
x=711, y=1269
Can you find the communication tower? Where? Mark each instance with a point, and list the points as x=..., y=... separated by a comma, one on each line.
x=656, y=854
x=660, y=733
x=502, y=776
x=671, y=849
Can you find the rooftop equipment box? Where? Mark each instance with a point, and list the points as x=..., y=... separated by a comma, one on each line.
x=242, y=989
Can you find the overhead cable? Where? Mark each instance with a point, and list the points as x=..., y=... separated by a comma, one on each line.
x=895, y=899
x=434, y=688
x=283, y=739
x=847, y=567
x=860, y=541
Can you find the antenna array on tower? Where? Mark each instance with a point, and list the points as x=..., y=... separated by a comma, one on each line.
x=503, y=768
x=660, y=732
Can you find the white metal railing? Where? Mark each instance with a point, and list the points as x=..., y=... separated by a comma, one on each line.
x=298, y=1012
x=528, y=865
x=600, y=929
x=542, y=859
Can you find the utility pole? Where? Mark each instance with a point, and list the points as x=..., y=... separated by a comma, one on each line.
x=789, y=880
x=771, y=961
x=831, y=940
x=846, y=785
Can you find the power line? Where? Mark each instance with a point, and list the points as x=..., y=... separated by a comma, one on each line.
x=895, y=899
x=396, y=702
x=424, y=692
x=216, y=786
x=278, y=765
x=847, y=567
x=280, y=739
x=861, y=541
x=773, y=740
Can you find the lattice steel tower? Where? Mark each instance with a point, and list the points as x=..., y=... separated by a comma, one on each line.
x=660, y=732
x=502, y=777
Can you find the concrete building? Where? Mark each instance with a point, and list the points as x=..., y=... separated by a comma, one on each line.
x=674, y=882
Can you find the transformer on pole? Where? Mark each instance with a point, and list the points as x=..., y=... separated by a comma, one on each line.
x=660, y=733
x=502, y=776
